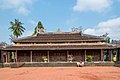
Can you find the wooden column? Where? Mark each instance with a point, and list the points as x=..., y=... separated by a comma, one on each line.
x=102, y=56
x=6, y=57
x=67, y=55
x=16, y=56
x=48, y=56
x=111, y=54
x=85, y=56
x=2, y=58
x=116, y=55
x=1, y=55
x=31, y=56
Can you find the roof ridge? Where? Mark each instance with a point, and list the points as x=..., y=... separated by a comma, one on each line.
x=22, y=38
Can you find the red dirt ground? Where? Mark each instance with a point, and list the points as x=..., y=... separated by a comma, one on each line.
x=60, y=73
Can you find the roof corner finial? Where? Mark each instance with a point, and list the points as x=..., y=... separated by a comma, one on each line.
x=58, y=30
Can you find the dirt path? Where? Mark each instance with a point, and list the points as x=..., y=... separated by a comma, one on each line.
x=60, y=73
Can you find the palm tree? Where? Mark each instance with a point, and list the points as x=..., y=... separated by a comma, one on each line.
x=11, y=38
x=17, y=28
x=39, y=26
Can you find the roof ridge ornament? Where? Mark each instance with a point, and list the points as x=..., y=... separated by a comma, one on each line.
x=40, y=30
x=77, y=29
x=59, y=30
x=104, y=35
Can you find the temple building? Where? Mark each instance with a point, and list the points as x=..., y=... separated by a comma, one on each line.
x=58, y=47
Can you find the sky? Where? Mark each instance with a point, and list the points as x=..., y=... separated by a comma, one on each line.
x=96, y=17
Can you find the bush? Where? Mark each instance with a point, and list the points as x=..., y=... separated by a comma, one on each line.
x=89, y=58
x=114, y=52
x=44, y=57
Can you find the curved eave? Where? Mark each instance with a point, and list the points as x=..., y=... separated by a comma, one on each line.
x=58, y=47
x=59, y=40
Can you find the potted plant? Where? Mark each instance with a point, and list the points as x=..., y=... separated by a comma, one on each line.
x=70, y=58
x=114, y=56
x=45, y=58
x=114, y=52
x=89, y=58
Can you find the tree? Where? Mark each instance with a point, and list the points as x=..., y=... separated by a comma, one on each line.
x=115, y=41
x=39, y=26
x=3, y=44
x=17, y=28
x=107, y=39
x=11, y=38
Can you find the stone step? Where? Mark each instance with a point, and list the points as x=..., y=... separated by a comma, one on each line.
x=1, y=65
x=16, y=65
x=53, y=64
x=117, y=64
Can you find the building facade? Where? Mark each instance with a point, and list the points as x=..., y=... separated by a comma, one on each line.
x=58, y=47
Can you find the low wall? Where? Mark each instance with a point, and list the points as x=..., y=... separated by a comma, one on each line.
x=62, y=64
x=99, y=64
x=117, y=64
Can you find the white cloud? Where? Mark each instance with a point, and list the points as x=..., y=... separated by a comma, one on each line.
x=27, y=33
x=110, y=23
x=16, y=5
x=92, y=5
x=34, y=23
x=23, y=10
x=90, y=31
x=112, y=27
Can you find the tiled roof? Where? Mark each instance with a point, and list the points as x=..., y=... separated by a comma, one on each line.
x=118, y=46
x=0, y=47
x=59, y=37
x=59, y=47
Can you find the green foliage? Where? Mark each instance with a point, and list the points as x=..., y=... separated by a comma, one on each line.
x=17, y=28
x=44, y=57
x=107, y=39
x=39, y=25
x=11, y=38
x=115, y=41
x=114, y=52
x=89, y=58
x=3, y=44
